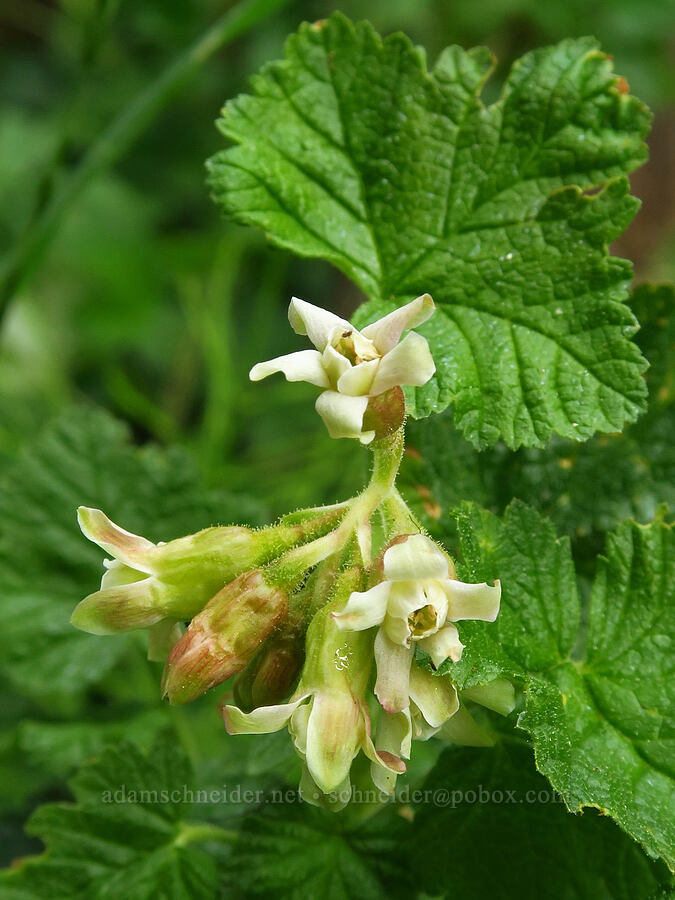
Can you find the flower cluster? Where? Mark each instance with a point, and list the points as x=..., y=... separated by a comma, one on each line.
x=346, y=651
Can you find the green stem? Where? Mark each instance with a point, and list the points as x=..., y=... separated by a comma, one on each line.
x=195, y=832
x=290, y=568
x=398, y=518
x=387, y=455
x=121, y=133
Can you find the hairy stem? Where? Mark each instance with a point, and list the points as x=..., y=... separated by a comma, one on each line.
x=291, y=567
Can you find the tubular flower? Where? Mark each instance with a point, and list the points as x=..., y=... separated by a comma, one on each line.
x=352, y=366
x=146, y=585
x=327, y=715
x=416, y=602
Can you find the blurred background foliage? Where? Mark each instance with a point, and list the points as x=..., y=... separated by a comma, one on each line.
x=143, y=302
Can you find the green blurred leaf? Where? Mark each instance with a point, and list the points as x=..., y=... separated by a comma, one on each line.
x=125, y=836
x=503, y=833
x=299, y=852
x=603, y=727
x=46, y=566
x=350, y=150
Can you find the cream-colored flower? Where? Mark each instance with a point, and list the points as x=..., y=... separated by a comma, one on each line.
x=351, y=366
x=417, y=602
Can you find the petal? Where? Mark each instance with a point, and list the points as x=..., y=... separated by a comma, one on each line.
x=342, y=415
x=405, y=598
x=298, y=727
x=318, y=324
x=332, y=738
x=311, y=793
x=131, y=549
x=262, y=720
x=422, y=731
x=435, y=695
x=498, y=695
x=357, y=380
x=394, y=733
x=305, y=365
x=117, y=574
x=410, y=362
x=364, y=609
x=125, y=608
x=392, y=739
x=445, y=643
x=386, y=764
x=393, y=673
x=334, y=365
x=387, y=331
x=415, y=559
x=461, y=728
x=472, y=601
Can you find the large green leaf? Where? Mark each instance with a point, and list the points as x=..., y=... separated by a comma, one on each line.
x=585, y=488
x=493, y=829
x=299, y=853
x=46, y=566
x=350, y=149
x=603, y=722
x=127, y=834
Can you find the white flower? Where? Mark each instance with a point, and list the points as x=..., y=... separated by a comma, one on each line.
x=352, y=365
x=417, y=601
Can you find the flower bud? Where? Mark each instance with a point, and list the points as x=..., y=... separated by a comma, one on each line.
x=269, y=677
x=222, y=639
x=145, y=583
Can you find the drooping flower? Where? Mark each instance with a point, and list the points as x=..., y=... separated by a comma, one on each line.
x=416, y=602
x=327, y=714
x=352, y=366
x=146, y=585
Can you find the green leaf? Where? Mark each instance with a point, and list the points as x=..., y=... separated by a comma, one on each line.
x=125, y=836
x=46, y=566
x=494, y=830
x=603, y=726
x=592, y=486
x=584, y=488
x=350, y=149
x=299, y=853
x=59, y=748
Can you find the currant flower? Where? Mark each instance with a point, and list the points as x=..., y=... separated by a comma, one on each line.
x=417, y=602
x=327, y=715
x=352, y=366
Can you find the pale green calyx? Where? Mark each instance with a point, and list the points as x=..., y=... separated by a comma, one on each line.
x=351, y=366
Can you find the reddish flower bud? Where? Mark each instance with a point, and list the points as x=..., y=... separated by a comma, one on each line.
x=223, y=638
x=271, y=674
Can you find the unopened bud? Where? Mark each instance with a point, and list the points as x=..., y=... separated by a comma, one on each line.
x=385, y=413
x=223, y=638
x=269, y=677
